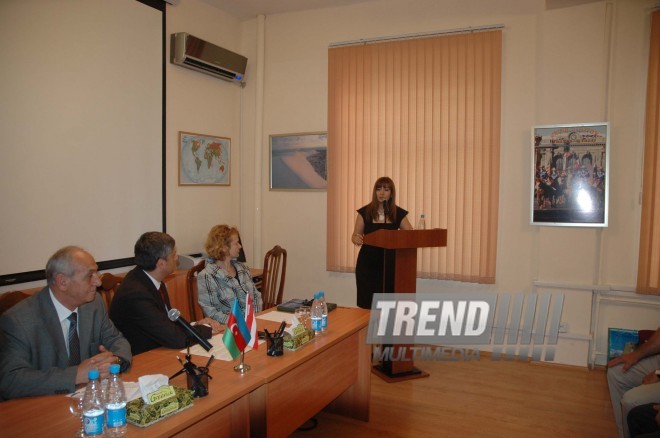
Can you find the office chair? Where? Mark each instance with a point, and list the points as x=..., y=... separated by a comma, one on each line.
x=272, y=288
x=10, y=299
x=191, y=285
x=241, y=254
x=108, y=287
x=258, y=279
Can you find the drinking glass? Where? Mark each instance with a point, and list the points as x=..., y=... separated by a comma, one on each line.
x=76, y=408
x=300, y=315
x=303, y=315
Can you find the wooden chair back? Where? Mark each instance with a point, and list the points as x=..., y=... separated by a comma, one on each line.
x=10, y=299
x=645, y=335
x=108, y=287
x=272, y=289
x=191, y=287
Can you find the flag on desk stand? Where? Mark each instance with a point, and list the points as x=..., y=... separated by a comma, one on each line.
x=251, y=322
x=237, y=335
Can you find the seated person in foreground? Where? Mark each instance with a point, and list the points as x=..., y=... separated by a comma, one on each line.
x=51, y=340
x=224, y=277
x=140, y=305
x=635, y=382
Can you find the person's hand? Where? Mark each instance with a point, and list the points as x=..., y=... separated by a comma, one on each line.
x=356, y=239
x=216, y=327
x=650, y=378
x=627, y=360
x=101, y=362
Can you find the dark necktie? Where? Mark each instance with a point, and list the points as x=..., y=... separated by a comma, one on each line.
x=164, y=295
x=74, y=341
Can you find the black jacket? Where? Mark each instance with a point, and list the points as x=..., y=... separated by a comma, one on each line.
x=137, y=310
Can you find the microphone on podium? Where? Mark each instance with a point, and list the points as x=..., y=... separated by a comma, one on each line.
x=175, y=316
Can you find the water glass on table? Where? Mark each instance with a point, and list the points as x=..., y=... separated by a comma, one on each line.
x=302, y=315
x=76, y=409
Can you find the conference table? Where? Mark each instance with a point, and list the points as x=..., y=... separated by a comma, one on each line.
x=272, y=399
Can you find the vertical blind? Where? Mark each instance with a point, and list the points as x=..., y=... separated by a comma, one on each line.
x=648, y=273
x=425, y=112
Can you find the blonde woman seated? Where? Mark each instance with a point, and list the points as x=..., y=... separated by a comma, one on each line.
x=224, y=277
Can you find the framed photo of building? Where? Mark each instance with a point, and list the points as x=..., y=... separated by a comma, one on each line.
x=570, y=178
x=204, y=160
x=299, y=161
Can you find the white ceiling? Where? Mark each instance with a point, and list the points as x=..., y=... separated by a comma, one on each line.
x=246, y=9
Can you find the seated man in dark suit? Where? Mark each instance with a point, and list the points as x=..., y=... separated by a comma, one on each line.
x=140, y=305
x=52, y=339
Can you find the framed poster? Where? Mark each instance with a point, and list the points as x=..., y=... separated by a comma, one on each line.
x=570, y=175
x=621, y=341
x=299, y=161
x=204, y=160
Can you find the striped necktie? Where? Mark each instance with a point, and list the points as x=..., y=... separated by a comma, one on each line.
x=74, y=341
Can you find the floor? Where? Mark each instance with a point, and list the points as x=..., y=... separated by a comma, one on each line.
x=483, y=398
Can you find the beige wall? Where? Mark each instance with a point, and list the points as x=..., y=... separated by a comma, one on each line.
x=202, y=104
x=559, y=67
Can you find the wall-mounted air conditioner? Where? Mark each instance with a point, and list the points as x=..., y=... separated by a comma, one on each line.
x=191, y=52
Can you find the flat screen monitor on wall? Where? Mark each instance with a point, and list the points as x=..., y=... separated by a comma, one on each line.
x=82, y=122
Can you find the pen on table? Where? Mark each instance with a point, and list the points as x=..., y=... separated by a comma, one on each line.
x=209, y=362
x=180, y=361
x=280, y=330
x=268, y=335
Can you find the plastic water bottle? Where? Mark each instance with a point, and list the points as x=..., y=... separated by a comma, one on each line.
x=421, y=225
x=93, y=417
x=115, y=408
x=317, y=316
x=324, y=311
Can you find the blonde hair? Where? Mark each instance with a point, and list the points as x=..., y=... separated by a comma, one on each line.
x=218, y=239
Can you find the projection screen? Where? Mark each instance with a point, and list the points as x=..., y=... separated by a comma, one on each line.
x=82, y=123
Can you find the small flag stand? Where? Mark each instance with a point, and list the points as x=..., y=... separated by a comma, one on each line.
x=242, y=367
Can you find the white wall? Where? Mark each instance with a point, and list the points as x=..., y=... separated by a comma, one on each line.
x=558, y=67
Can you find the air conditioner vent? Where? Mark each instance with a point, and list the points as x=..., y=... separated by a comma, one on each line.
x=203, y=66
x=191, y=52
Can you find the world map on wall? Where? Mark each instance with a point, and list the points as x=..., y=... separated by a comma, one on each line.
x=204, y=159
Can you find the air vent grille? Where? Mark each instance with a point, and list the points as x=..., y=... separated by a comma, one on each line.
x=204, y=66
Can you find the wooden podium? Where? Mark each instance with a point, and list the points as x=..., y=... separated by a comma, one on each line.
x=405, y=244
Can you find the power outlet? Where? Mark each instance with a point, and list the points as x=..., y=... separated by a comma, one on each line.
x=563, y=327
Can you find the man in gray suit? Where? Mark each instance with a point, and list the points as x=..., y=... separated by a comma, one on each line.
x=52, y=339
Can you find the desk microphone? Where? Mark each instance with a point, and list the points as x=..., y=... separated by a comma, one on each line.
x=175, y=316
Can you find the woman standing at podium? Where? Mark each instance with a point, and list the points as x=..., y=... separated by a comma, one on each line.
x=373, y=263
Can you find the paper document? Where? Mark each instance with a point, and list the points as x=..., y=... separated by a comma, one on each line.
x=276, y=316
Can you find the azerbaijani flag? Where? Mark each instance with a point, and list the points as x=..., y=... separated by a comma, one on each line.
x=251, y=322
x=237, y=335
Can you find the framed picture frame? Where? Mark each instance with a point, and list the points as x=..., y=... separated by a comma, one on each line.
x=204, y=160
x=299, y=161
x=621, y=341
x=570, y=175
